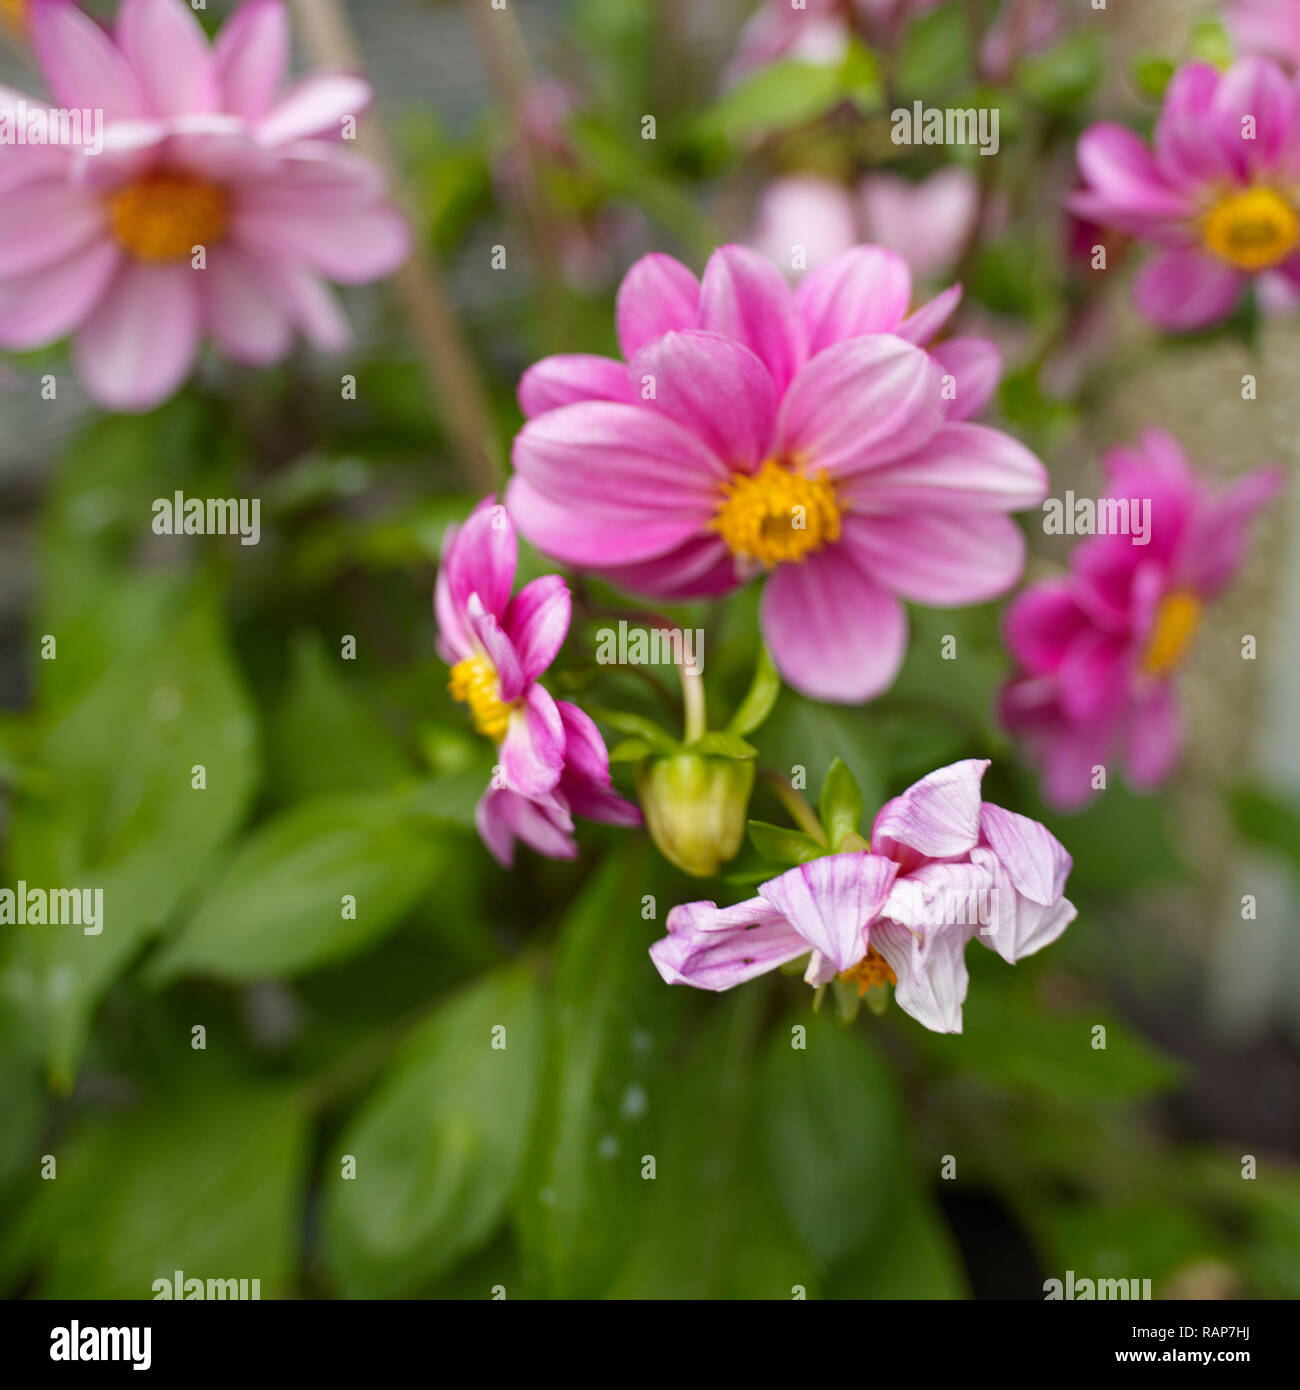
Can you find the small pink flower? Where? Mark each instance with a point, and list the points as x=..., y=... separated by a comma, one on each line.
x=1266, y=28
x=553, y=763
x=943, y=867
x=1019, y=29
x=200, y=149
x=803, y=434
x=1218, y=191
x=1098, y=650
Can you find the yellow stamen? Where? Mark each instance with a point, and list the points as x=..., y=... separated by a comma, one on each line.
x=1177, y=619
x=873, y=969
x=1253, y=230
x=474, y=682
x=165, y=216
x=13, y=15
x=777, y=516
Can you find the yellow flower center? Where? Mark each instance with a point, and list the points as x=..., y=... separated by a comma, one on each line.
x=777, y=516
x=1177, y=619
x=165, y=216
x=13, y=15
x=474, y=683
x=1252, y=230
x=872, y=969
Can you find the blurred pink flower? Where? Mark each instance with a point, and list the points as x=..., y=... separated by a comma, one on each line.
x=1267, y=28
x=1021, y=27
x=926, y=223
x=1218, y=192
x=943, y=867
x=1098, y=649
x=843, y=463
x=553, y=761
x=201, y=149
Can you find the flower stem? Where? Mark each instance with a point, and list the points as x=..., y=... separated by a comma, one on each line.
x=696, y=720
x=795, y=803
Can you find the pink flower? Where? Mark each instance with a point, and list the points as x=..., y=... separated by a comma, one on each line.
x=926, y=223
x=553, y=762
x=1268, y=28
x=942, y=868
x=1098, y=650
x=1019, y=29
x=1218, y=191
x=200, y=150
x=803, y=434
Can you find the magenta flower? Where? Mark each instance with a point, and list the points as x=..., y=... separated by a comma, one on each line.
x=1098, y=650
x=1218, y=191
x=943, y=867
x=819, y=30
x=218, y=207
x=1268, y=28
x=805, y=435
x=553, y=762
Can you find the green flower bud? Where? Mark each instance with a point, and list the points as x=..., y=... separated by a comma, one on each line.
x=696, y=806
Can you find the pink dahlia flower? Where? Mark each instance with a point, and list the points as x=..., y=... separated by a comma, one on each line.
x=202, y=152
x=1268, y=28
x=553, y=763
x=802, y=434
x=1098, y=649
x=943, y=867
x=1218, y=191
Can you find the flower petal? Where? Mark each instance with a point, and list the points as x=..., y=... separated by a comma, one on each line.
x=537, y=622
x=834, y=633
x=1154, y=739
x=252, y=57
x=744, y=297
x=241, y=311
x=39, y=307
x=315, y=107
x=938, y=558
x=1182, y=290
x=532, y=752
x=863, y=290
x=931, y=971
x=82, y=66
x=658, y=294
x=480, y=557
x=571, y=377
x=169, y=52
x=937, y=817
x=754, y=940
x=975, y=366
x=832, y=901
x=44, y=221
x=1035, y=860
x=545, y=825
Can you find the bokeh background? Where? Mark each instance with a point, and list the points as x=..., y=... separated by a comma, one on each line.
x=885, y=1161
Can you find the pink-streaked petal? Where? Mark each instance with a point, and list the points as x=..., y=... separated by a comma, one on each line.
x=863, y=290
x=624, y=463
x=931, y=972
x=717, y=389
x=532, y=752
x=545, y=825
x=1120, y=169
x=701, y=567
x=139, y=344
x=754, y=941
x=938, y=896
x=315, y=107
x=859, y=404
x=252, y=57
x=1095, y=676
x=480, y=557
x=1040, y=624
x=44, y=222
x=1255, y=89
x=831, y=902
x=570, y=378
x=1154, y=739
x=961, y=468
x=744, y=297
x=1018, y=925
x=975, y=366
x=1035, y=860
x=945, y=559
x=834, y=633
x=82, y=66
x=1183, y=290
x=170, y=55
x=929, y=319
x=585, y=754
x=537, y=622
x=243, y=316
x=1184, y=152
x=658, y=295
x=588, y=540
x=937, y=817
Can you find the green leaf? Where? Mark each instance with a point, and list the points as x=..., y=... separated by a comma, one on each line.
x=1266, y=821
x=119, y=810
x=202, y=1181
x=914, y=1256
x=324, y=737
x=715, y=1226
x=1211, y=41
x=581, y=1197
x=782, y=94
x=438, y=1145
x=782, y=845
x=831, y=1124
x=1151, y=76
x=760, y=698
x=805, y=734
x=279, y=908
x=723, y=745
x=935, y=53
x=840, y=807
x=637, y=726
x=630, y=750
x=1066, y=75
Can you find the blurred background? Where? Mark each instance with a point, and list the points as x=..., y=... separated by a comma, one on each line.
x=887, y=1161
